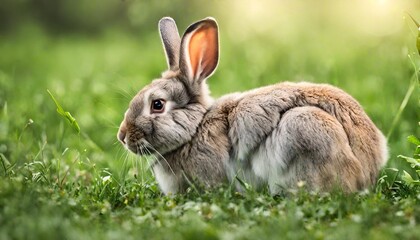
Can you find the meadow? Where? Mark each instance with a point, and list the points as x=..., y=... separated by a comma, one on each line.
x=59, y=183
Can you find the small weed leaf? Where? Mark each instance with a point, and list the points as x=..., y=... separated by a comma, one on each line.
x=66, y=115
x=406, y=177
x=412, y=139
x=413, y=162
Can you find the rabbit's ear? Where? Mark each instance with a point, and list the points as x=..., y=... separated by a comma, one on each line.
x=199, y=50
x=171, y=41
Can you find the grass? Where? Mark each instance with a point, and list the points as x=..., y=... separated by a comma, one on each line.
x=56, y=183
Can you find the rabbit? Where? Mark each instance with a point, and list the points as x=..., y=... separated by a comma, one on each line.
x=277, y=136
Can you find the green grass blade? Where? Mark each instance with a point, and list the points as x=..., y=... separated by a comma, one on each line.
x=418, y=34
x=414, y=20
x=60, y=110
x=403, y=104
x=66, y=115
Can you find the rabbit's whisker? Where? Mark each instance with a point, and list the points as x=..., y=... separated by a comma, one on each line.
x=149, y=162
x=148, y=145
x=140, y=147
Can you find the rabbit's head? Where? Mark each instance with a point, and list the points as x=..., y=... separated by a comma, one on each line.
x=165, y=114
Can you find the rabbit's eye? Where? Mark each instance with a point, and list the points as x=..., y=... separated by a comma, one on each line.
x=158, y=106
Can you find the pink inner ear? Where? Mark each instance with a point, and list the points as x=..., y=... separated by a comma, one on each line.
x=203, y=50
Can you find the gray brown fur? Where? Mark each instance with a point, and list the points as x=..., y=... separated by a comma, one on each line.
x=277, y=135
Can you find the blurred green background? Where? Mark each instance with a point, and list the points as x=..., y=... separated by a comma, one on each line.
x=95, y=55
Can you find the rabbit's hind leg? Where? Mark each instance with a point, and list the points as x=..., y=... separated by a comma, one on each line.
x=309, y=146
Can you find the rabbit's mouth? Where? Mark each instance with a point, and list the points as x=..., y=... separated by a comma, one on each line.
x=141, y=147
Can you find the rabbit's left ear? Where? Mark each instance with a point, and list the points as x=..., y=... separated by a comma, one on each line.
x=199, y=50
x=171, y=41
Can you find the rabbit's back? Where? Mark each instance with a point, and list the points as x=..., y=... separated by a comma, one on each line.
x=316, y=133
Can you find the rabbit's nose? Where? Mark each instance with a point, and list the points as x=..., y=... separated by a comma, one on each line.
x=121, y=136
